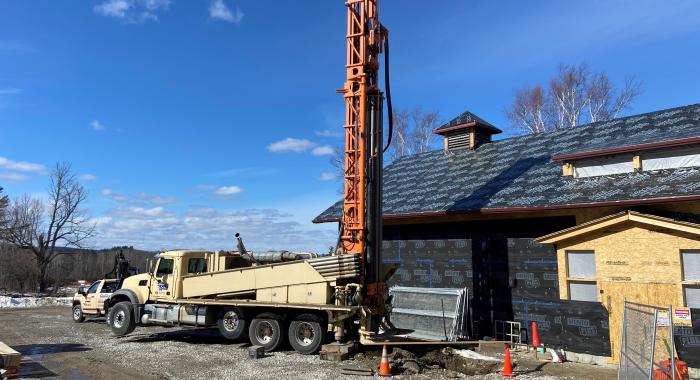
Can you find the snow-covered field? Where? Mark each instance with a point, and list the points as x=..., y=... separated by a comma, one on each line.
x=17, y=302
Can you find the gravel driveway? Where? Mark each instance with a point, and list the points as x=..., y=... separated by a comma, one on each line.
x=53, y=345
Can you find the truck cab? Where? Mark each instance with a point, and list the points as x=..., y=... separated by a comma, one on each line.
x=90, y=301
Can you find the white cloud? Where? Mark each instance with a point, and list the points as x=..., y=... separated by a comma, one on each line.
x=14, y=177
x=291, y=144
x=324, y=150
x=227, y=190
x=87, y=177
x=142, y=199
x=132, y=11
x=328, y=176
x=22, y=166
x=139, y=212
x=97, y=126
x=155, y=199
x=330, y=133
x=218, y=10
x=209, y=228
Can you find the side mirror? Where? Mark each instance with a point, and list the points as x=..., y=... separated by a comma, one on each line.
x=82, y=290
x=150, y=266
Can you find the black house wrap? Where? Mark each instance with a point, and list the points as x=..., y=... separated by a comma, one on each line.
x=510, y=277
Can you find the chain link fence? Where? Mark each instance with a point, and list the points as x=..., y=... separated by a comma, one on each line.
x=646, y=343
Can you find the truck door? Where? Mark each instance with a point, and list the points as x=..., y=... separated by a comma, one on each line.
x=92, y=298
x=162, y=285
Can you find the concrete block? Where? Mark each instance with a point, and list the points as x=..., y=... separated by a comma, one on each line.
x=256, y=352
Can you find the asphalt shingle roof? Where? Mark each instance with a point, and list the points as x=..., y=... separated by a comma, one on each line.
x=518, y=172
x=464, y=118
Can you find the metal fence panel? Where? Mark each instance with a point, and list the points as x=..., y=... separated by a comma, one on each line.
x=641, y=337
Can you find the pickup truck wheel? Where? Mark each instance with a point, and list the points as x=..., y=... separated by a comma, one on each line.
x=78, y=315
x=306, y=334
x=266, y=332
x=122, y=318
x=232, y=324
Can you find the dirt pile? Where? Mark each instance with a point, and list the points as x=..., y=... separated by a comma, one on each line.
x=462, y=361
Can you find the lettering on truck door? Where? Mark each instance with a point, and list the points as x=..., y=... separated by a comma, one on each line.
x=162, y=284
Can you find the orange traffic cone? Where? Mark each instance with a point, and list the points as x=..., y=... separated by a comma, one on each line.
x=507, y=367
x=384, y=366
x=535, y=336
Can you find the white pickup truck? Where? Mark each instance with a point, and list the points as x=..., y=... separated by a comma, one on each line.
x=90, y=301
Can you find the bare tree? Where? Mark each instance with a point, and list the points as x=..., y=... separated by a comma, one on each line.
x=413, y=132
x=4, y=202
x=529, y=109
x=575, y=96
x=40, y=227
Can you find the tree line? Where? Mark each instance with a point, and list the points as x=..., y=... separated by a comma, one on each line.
x=43, y=240
x=19, y=273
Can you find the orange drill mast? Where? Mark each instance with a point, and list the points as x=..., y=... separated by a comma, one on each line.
x=361, y=223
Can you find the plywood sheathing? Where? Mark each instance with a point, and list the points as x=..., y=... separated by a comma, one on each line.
x=637, y=257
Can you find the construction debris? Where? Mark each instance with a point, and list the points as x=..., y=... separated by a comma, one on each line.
x=9, y=359
x=430, y=313
x=458, y=361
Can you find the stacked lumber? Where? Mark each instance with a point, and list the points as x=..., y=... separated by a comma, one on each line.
x=9, y=359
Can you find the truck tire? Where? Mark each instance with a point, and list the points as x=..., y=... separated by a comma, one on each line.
x=122, y=318
x=306, y=334
x=232, y=323
x=78, y=315
x=266, y=332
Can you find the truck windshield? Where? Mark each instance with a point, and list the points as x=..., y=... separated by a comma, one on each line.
x=165, y=267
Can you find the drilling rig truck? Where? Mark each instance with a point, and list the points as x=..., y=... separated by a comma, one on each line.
x=278, y=296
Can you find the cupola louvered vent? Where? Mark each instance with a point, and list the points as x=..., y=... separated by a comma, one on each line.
x=466, y=131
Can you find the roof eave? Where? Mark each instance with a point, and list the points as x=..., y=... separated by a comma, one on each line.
x=618, y=218
x=527, y=209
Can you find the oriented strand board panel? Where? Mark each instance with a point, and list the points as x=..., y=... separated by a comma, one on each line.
x=633, y=262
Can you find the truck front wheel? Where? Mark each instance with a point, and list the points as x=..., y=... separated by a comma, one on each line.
x=306, y=334
x=78, y=315
x=266, y=332
x=121, y=319
x=232, y=324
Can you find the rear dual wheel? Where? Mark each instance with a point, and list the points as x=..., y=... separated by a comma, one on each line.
x=306, y=334
x=266, y=332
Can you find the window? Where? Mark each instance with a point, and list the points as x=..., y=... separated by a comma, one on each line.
x=691, y=265
x=197, y=265
x=93, y=288
x=607, y=165
x=671, y=159
x=165, y=267
x=692, y=296
x=691, y=273
x=581, y=276
x=109, y=287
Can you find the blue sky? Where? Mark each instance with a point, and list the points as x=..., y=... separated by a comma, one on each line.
x=189, y=121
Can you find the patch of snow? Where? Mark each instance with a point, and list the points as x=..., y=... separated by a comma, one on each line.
x=21, y=302
x=469, y=354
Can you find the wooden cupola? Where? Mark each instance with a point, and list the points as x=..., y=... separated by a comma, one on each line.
x=466, y=131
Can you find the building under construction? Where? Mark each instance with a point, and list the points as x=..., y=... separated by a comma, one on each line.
x=557, y=228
